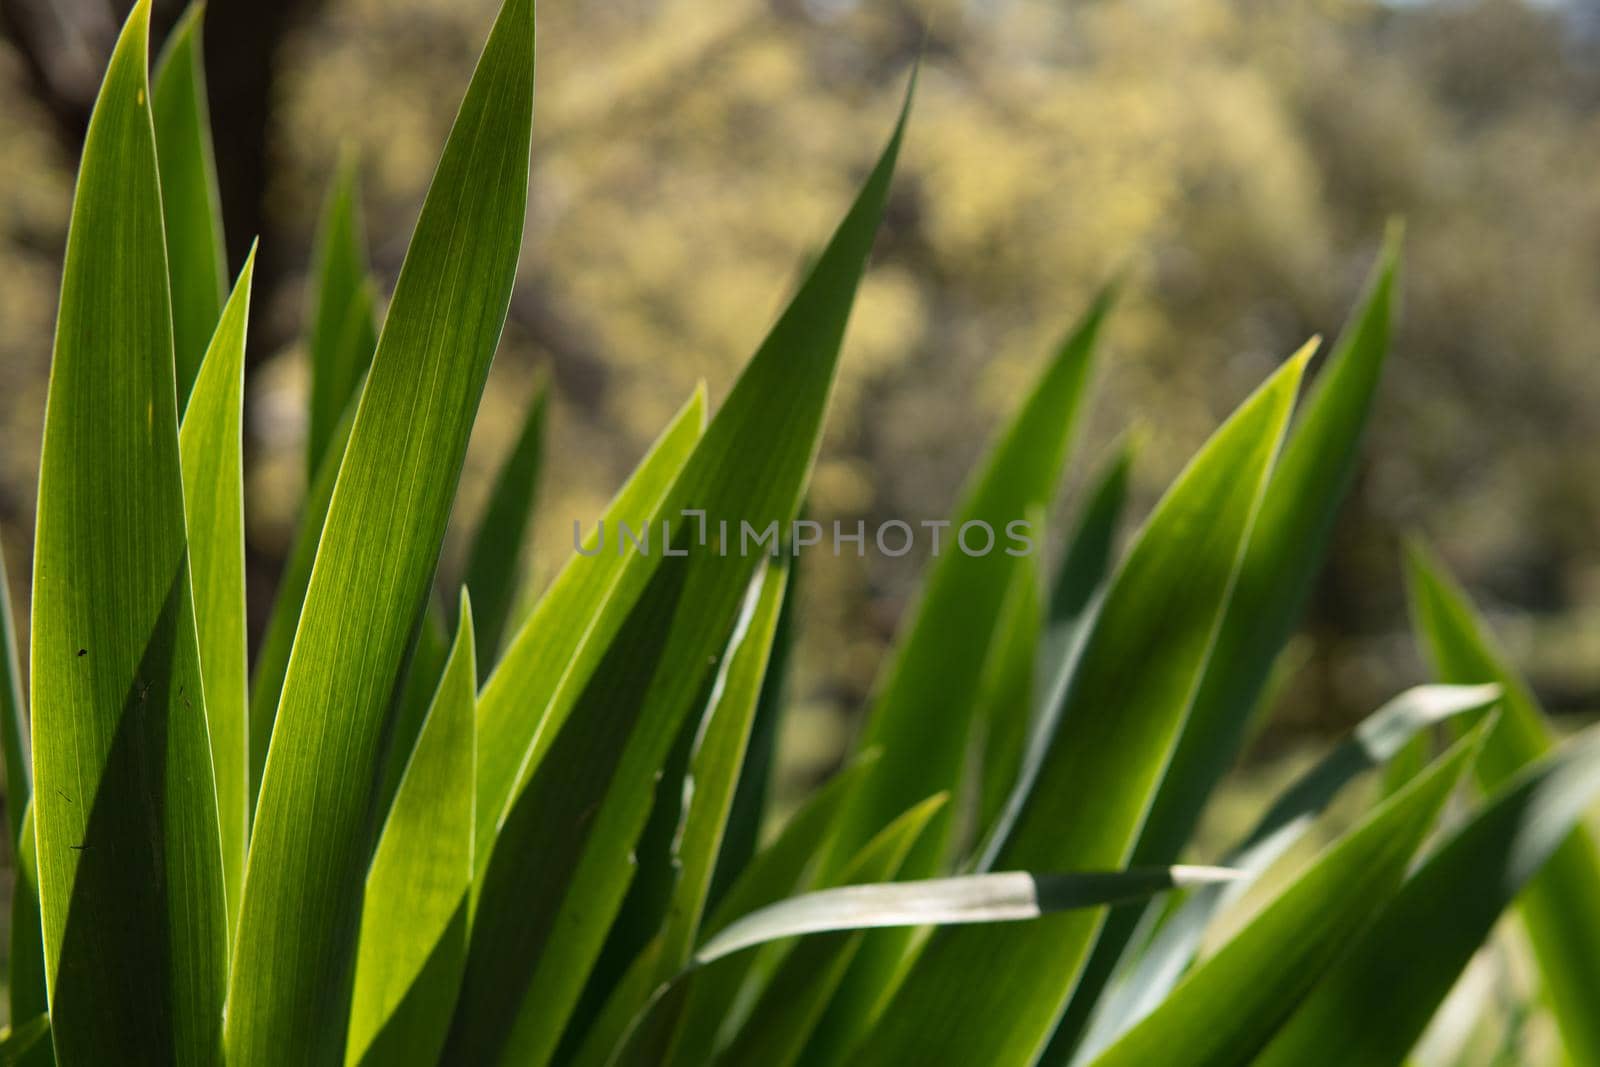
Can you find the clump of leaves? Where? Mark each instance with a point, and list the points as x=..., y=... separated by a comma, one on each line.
x=407, y=840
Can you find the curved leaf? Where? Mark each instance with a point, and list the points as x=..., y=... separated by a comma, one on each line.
x=715, y=762
x=135, y=938
x=1008, y=896
x=775, y=1032
x=1163, y=958
x=1394, y=975
x=531, y=690
x=1227, y=1008
x=935, y=672
x=780, y=870
x=272, y=658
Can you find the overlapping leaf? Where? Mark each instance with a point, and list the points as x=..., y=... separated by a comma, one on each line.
x=379, y=546
x=1275, y=576
x=1158, y=961
x=210, y=445
x=1227, y=1008
x=1393, y=977
x=1561, y=906
x=935, y=673
x=1120, y=720
x=529, y=958
x=413, y=941
x=196, y=263
x=532, y=689
x=494, y=560
x=272, y=658
x=130, y=874
x=781, y=1019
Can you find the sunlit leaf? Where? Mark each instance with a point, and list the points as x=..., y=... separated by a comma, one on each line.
x=1561, y=906
x=782, y=869
x=374, y=566
x=413, y=940
x=130, y=872
x=1120, y=719
x=935, y=672
x=196, y=263
x=1227, y=1008
x=793, y=1001
x=210, y=444
x=1392, y=977
x=1159, y=961
x=272, y=658
x=531, y=953
x=532, y=688
x=1280, y=564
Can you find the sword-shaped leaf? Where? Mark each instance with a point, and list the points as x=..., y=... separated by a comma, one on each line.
x=934, y=675
x=532, y=688
x=130, y=870
x=1227, y=1008
x=272, y=659
x=1163, y=958
x=1083, y=802
x=1561, y=906
x=715, y=762
x=529, y=959
x=413, y=940
x=1281, y=562
x=782, y=869
x=340, y=298
x=780, y=1021
x=210, y=443
x=375, y=563
x=1393, y=976
x=495, y=557
x=196, y=262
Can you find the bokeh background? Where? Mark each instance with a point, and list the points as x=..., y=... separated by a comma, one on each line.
x=1235, y=160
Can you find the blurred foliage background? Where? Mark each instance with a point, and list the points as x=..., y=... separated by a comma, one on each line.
x=1234, y=160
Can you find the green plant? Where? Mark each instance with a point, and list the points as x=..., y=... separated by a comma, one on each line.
x=374, y=858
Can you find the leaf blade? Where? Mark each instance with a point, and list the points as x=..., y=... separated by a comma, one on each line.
x=1226, y=1009
x=1561, y=906
x=1395, y=974
x=937, y=668
x=338, y=350
x=495, y=556
x=135, y=940
x=1115, y=730
x=301, y=894
x=211, y=450
x=413, y=939
x=191, y=203
x=1164, y=958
